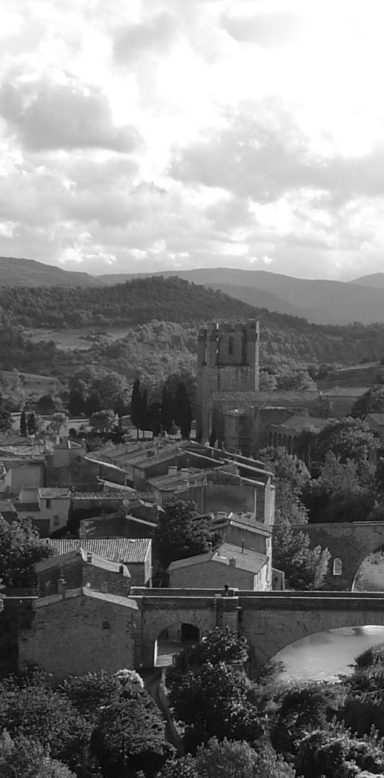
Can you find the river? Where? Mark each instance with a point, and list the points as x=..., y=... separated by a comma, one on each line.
x=325, y=655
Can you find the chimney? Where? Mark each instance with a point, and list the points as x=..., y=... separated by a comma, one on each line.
x=232, y=561
x=89, y=557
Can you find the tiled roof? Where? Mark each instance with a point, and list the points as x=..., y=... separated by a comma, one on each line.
x=299, y=422
x=6, y=506
x=345, y=391
x=114, y=599
x=114, y=494
x=114, y=549
x=248, y=560
x=54, y=493
x=377, y=417
x=94, y=560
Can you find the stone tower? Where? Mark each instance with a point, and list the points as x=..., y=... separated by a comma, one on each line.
x=227, y=361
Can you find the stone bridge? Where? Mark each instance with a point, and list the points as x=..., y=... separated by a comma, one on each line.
x=269, y=620
x=349, y=543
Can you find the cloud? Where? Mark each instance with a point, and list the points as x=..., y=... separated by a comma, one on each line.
x=153, y=36
x=264, y=29
x=48, y=115
x=263, y=154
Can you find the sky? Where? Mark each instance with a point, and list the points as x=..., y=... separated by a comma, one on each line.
x=143, y=135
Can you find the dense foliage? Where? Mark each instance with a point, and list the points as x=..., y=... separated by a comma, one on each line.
x=228, y=759
x=20, y=549
x=180, y=532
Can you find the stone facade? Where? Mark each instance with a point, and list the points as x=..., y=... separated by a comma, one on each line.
x=78, y=569
x=228, y=360
x=80, y=631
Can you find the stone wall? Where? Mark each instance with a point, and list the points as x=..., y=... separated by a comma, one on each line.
x=74, y=572
x=80, y=633
x=350, y=543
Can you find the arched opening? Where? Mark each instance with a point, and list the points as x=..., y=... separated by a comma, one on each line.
x=326, y=655
x=337, y=568
x=370, y=574
x=172, y=639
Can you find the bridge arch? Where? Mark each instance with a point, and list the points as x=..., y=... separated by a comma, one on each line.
x=365, y=578
x=349, y=543
x=275, y=625
x=154, y=620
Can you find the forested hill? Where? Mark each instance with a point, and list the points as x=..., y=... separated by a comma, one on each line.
x=135, y=302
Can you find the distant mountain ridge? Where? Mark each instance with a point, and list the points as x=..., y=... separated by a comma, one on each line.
x=15, y=271
x=319, y=301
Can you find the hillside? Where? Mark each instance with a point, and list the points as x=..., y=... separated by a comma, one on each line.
x=319, y=301
x=27, y=272
x=375, y=280
x=135, y=302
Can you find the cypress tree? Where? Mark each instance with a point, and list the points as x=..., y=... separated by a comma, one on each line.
x=136, y=406
x=183, y=411
x=31, y=423
x=23, y=424
x=166, y=410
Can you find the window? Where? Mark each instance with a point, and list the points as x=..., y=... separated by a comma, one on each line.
x=48, y=503
x=56, y=520
x=106, y=625
x=337, y=566
x=231, y=345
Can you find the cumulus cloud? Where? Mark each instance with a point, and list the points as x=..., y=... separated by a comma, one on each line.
x=49, y=115
x=263, y=154
x=155, y=35
x=265, y=29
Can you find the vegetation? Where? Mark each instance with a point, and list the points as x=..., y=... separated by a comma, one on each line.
x=180, y=532
x=229, y=758
x=20, y=549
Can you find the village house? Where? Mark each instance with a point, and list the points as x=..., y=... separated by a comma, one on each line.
x=46, y=508
x=136, y=553
x=80, y=568
x=229, y=565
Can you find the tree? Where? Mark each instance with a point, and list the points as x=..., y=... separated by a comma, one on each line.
x=31, y=424
x=102, y=421
x=130, y=733
x=288, y=504
x=5, y=417
x=340, y=493
x=23, y=424
x=136, y=405
x=305, y=567
x=46, y=404
x=183, y=411
x=20, y=549
x=348, y=439
x=216, y=701
x=237, y=759
x=167, y=417
x=31, y=708
x=92, y=691
x=180, y=532
x=28, y=758
x=335, y=753
x=228, y=759
x=291, y=477
x=302, y=708
x=370, y=402
x=286, y=467
x=218, y=645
